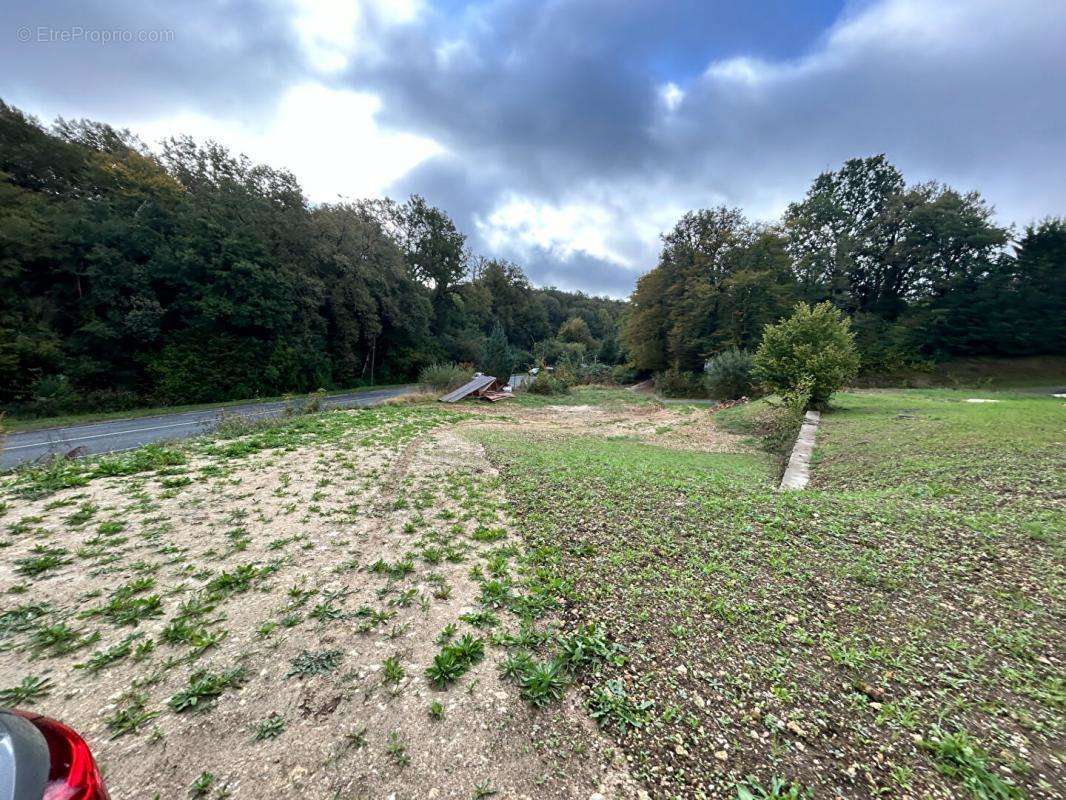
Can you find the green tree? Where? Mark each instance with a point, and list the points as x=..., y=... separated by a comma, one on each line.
x=498, y=359
x=1032, y=318
x=811, y=352
x=718, y=281
x=576, y=331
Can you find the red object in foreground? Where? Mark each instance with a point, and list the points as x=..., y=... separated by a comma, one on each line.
x=73, y=774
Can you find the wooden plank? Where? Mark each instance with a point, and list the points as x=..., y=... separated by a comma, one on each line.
x=479, y=384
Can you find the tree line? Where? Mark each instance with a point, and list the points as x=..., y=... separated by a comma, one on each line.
x=922, y=270
x=130, y=277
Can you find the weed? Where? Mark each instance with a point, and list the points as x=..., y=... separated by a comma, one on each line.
x=516, y=665
x=104, y=658
x=959, y=757
x=454, y=659
x=130, y=718
x=30, y=690
x=447, y=633
x=270, y=728
x=588, y=646
x=543, y=683
x=779, y=789
x=392, y=670
x=480, y=619
x=202, y=785
x=356, y=739
x=59, y=640
x=44, y=559
x=310, y=663
x=612, y=707
x=436, y=710
x=205, y=687
x=396, y=748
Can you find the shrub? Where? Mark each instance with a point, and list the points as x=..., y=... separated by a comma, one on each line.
x=546, y=383
x=728, y=375
x=813, y=349
x=678, y=383
x=444, y=377
x=596, y=372
x=623, y=375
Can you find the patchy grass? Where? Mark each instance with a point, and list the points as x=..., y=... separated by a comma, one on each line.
x=781, y=644
x=335, y=594
x=601, y=396
x=29, y=423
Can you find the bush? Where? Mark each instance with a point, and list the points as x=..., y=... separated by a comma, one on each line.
x=444, y=377
x=728, y=375
x=678, y=383
x=808, y=356
x=546, y=383
x=623, y=375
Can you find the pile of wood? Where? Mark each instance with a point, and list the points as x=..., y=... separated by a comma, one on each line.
x=481, y=386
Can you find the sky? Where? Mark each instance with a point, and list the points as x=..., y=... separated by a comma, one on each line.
x=568, y=135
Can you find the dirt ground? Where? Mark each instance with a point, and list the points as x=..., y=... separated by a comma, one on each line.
x=265, y=620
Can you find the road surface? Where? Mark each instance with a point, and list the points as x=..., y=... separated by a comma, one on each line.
x=125, y=434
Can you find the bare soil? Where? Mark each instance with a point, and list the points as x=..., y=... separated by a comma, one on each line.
x=341, y=541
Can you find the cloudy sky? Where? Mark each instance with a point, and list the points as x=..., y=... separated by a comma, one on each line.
x=568, y=134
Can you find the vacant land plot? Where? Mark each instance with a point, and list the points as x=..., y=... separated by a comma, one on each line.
x=555, y=598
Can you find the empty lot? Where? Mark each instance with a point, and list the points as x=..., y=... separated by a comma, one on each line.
x=555, y=598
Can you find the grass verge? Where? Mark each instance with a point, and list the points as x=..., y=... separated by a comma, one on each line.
x=22, y=424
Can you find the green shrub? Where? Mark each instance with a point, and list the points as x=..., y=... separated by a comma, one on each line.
x=546, y=383
x=813, y=351
x=444, y=377
x=728, y=375
x=623, y=375
x=678, y=383
x=596, y=372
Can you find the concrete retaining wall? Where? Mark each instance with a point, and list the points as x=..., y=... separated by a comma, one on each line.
x=798, y=471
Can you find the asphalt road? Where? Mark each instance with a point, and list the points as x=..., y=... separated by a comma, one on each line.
x=125, y=434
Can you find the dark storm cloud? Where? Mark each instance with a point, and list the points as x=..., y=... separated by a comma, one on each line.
x=553, y=101
x=560, y=104
x=212, y=57
x=568, y=89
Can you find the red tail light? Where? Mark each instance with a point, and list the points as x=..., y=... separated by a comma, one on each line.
x=73, y=774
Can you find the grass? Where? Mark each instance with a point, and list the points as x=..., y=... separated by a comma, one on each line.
x=892, y=631
x=958, y=757
x=585, y=396
x=917, y=583
x=132, y=716
x=28, y=692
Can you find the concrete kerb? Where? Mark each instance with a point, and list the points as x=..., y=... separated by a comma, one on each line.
x=798, y=471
